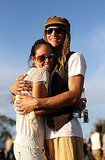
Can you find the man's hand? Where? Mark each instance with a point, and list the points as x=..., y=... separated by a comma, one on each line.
x=25, y=85
x=14, y=88
x=21, y=85
x=25, y=103
x=81, y=104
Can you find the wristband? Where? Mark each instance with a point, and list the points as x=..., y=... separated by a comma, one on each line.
x=12, y=93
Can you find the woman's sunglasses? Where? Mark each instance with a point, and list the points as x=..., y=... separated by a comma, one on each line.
x=42, y=58
x=57, y=30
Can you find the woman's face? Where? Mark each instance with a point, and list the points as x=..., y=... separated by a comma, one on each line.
x=56, y=39
x=43, y=57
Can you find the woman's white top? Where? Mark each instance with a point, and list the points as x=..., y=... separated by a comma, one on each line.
x=31, y=129
x=76, y=66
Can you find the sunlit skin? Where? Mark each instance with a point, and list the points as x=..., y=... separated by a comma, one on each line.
x=70, y=97
x=43, y=50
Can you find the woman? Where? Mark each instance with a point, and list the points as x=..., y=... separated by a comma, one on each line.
x=30, y=128
x=65, y=88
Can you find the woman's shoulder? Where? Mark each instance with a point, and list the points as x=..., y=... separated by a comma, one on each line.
x=36, y=70
x=38, y=74
x=42, y=71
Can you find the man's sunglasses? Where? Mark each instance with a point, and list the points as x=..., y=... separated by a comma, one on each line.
x=42, y=58
x=57, y=30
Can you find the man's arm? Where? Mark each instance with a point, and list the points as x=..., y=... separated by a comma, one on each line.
x=21, y=85
x=62, y=100
x=14, y=89
x=39, y=91
x=65, y=99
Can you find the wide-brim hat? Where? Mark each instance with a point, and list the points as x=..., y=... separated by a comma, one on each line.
x=51, y=21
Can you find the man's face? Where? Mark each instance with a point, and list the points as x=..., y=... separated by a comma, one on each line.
x=55, y=36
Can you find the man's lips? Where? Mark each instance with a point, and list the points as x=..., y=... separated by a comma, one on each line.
x=53, y=38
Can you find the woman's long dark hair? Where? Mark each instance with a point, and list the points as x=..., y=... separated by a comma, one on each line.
x=37, y=45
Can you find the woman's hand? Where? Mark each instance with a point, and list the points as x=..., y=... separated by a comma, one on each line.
x=26, y=103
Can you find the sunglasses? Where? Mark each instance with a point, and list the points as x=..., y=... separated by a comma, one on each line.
x=57, y=30
x=42, y=58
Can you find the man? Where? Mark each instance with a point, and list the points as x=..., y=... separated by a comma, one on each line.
x=63, y=131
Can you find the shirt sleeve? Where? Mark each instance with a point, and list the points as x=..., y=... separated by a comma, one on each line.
x=76, y=65
x=39, y=74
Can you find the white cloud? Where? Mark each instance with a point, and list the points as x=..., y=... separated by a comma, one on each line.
x=95, y=85
x=8, y=74
x=97, y=39
x=93, y=44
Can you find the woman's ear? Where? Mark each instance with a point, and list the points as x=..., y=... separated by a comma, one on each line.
x=33, y=59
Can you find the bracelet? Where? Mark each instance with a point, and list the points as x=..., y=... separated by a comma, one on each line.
x=12, y=93
x=13, y=100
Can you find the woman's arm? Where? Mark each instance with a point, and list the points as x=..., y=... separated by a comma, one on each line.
x=39, y=90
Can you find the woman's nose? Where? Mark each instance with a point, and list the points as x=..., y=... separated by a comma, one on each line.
x=47, y=60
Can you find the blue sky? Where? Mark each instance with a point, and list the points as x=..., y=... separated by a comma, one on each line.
x=22, y=22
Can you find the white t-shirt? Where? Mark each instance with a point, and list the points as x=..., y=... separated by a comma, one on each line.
x=76, y=66
x=95, y=141
x=31, y=129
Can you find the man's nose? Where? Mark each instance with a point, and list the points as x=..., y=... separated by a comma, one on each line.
x=53, y=32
